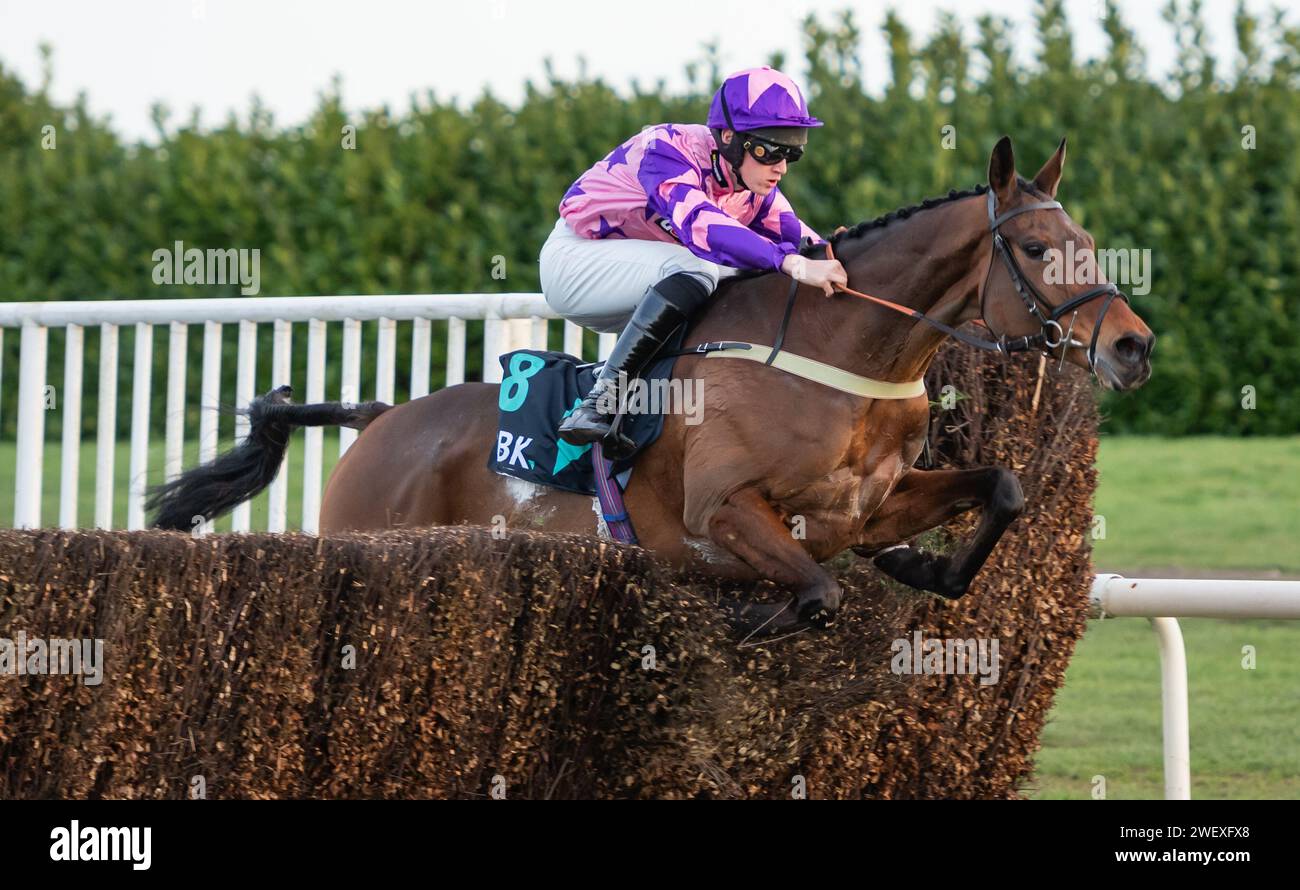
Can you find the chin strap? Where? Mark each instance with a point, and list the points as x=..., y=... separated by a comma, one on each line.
x=738, y=181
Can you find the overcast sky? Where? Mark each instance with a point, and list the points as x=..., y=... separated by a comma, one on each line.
x=215, y=54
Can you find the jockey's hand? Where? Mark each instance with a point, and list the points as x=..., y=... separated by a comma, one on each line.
x=819, y=273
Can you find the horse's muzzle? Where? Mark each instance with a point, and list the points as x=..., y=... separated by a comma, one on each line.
x=1126, y=363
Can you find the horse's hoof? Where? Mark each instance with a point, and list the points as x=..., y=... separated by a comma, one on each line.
x=815, y=611
x=915, y=568
x=924, y=571
x=818, y=606
x=820, y=617
x=953, y=589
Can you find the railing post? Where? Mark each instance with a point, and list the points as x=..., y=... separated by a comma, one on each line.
x=277, y=512
x=421, y=330
x=31, y=426
x=174, y=428
x=73, y=357
x=106, y=440
x=1173, y=703
x=245, y=374
x=385, y=359
x=2, y=355
x=315, y=436
x=573, y=339
x=141, y=390
x=350, y=379
x=455, y=372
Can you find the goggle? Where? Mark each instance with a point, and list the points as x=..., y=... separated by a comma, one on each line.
x=770, y=153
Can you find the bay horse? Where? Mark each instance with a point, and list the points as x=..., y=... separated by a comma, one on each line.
x=720, y=497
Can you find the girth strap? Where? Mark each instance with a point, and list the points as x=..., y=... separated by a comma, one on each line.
x=811, y=369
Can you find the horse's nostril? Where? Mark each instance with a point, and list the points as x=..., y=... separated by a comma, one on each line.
x=1132, y=349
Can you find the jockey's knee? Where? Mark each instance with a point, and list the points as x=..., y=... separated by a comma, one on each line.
x=688, y=291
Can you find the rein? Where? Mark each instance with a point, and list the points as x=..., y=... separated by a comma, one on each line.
x=1029, y=295
x=1049, y=337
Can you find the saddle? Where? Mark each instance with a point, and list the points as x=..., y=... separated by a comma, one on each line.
x=540, y=388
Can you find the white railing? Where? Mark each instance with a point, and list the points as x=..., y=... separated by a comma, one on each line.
x=1161, y=598
x=511, y=321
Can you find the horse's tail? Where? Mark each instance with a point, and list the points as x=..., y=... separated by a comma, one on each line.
x=217, y=487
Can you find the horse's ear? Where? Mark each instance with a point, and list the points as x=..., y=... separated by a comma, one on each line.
x=1002, y=169
x=1049, y=177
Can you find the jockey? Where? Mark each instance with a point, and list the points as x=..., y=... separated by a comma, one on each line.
x=645, y=235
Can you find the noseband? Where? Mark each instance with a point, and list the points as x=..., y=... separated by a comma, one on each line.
x=1050, y=334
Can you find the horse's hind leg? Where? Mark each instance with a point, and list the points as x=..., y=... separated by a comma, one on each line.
x=747, y=526
x=925, y=499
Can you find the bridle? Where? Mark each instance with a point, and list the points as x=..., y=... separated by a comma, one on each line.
x=1034, y=300
x=1050, y=335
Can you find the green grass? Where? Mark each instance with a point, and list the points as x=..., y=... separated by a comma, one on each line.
x=1199, y=503
x=1245, y=735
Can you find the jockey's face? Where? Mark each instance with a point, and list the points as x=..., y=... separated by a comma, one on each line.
x=758, y=178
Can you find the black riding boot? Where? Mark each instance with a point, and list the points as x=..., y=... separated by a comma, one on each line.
x=664, y=307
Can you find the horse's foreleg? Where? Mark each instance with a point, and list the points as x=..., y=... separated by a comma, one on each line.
x=925, y=499
x=747, y=526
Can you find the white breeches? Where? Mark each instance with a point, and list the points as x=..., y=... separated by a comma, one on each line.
x=598, y=283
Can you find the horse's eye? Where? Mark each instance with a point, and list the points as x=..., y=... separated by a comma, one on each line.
x=1035, y=249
